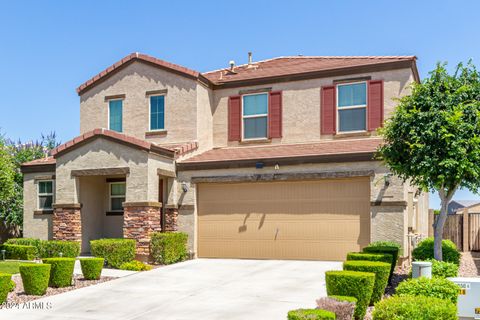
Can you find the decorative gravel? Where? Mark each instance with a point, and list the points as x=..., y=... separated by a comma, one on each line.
x=469, y=264
x=18, y=296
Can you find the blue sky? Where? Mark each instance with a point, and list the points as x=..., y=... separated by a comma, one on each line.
x=48, y=48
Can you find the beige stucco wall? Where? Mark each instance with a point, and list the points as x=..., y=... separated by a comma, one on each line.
x=142, y=181
x=34, y=226
x=301, y=105
x=388, y=221
x=133, y=81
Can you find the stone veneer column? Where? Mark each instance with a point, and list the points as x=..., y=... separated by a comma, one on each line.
x=140, y=219
x=171, y=215
x=67, y=222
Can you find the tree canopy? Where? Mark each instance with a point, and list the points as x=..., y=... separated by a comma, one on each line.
x=12, y=155
x=433, y=138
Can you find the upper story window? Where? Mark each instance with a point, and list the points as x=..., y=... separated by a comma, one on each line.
x=117, y=195
x=45, y=195
x=157, y=113
x=352, y=107
x=115, y=115
x=254, y=116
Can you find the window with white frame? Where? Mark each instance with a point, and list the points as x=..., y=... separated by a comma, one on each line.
x=254, y=116
x=352, y=107
x=117, y=195
x=45, y=195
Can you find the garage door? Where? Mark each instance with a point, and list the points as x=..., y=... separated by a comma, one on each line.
x=313, y=220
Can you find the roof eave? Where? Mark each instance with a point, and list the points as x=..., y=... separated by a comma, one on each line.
x=272, y=161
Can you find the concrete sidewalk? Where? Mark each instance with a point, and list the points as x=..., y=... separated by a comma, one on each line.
x=206, y=289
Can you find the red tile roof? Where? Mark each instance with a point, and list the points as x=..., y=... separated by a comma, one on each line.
x=334, y=147
x=266, y=69
x=286, y=66
x=140, y=57
x=39, y=162
x=113, y=135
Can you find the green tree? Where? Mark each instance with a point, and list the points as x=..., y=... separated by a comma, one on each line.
x=12, y=155
x=433, y=138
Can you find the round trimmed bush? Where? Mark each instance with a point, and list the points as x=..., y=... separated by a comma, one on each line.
x=5, y=285
x=414, y=308
x=114, y=251
x=310, y=314
x=385, y=247
x=53, y=249
x=435, y=287
x=35, y=278
x=92, y=268
x=381, y=270
x=424, y=251
x=353, y=284
x=61, y=272
x=443, y=269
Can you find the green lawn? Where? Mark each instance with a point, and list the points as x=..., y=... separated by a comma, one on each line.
x=10, y=266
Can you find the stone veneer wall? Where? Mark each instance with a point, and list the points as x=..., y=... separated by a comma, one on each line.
x=171, y=216
x=139, y=221
x=67, y=222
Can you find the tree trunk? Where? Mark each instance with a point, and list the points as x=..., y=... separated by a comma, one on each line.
x=440, y=223
x=438, y=231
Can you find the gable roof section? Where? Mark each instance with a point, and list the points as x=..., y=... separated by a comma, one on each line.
x=271, y=70
x=466, y=203
x=328, y=151
x=137, y=57
x=114, y=136
x=315, y=66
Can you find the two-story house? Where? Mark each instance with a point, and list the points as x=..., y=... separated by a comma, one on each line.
x=272, y=159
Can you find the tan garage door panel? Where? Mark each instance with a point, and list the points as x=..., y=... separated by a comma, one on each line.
x=284, y=220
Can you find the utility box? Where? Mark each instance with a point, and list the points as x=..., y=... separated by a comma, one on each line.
x=421, y=269
x=469, y=297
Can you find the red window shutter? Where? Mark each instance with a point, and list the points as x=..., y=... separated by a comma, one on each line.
x=375, y=104
x=234, y=118
x=328, y=110
x=275, y=114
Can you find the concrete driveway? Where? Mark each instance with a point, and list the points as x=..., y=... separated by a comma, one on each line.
x=206, y=289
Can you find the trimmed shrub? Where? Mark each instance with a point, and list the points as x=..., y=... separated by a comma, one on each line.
x=135, y=265
x=92, y=268
x=414, y=308
x=435, y=287
x=169, y=247
x=379, y=257
x=61, y=272
x=114, y=251
x=37, y=243
x=53, y=248
x=19, y=252
x=353, y=284
x=5, y=285
x=35, y=278
x=381, y=270
x=310, y=314
x=378, y=247
x=342, y=306
x=424, y=251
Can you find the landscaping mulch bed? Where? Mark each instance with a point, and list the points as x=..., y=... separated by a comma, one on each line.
x=18, y=296
x=469, y=264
